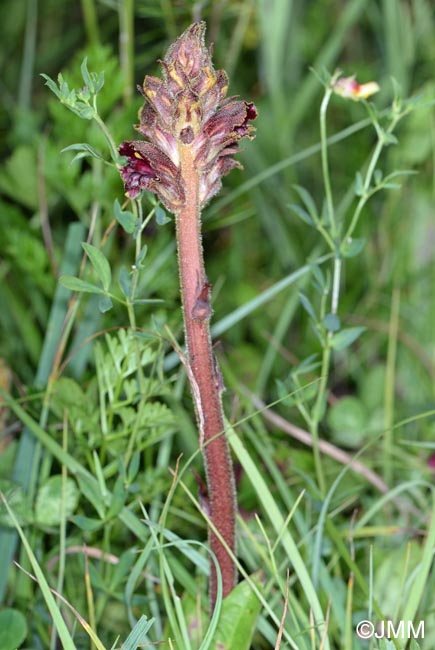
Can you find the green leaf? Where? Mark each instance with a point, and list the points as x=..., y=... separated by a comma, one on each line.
x=48, y=509
x=238, y=616
x=84, y=150
x=161, y=216
x=85, y=74
x=391, y=186
x=125, y=281
x=105, y=304
x=133, y=468
x=359, y=184
x=140, y=258
x=83, y=111
x=147, y=301
x=307, y=306
x=87, y=524
x=319, y=276
x=119, y=496
x=389, y=138
x=308, y=201
x=353, y=247
x=301, y=213
x=348, y=421
x=386, y=644
x=309, y=364
x=93, y=80
x=91, y=491
x=346, y=337
x=196, y=621
x=13, y=629
x=100, y=264
x=76, y=284
x=138, y=635
x=52, y=85
x=377, y=176
x=63, y=632
x=122, y=570
x=125, y=218
x=18, y=500
x=331, y=322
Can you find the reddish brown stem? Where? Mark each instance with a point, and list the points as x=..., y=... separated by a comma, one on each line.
x=204, y=375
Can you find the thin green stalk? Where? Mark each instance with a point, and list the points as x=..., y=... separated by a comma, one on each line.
x=137, y=207
x=389, y=386
x=380, y=144
x=317, y=414
x=106, y=132
x=318, y=409
x=126, y=46
x=90, y=20
x=324, y=156
x=27, y=71
x=62, y=531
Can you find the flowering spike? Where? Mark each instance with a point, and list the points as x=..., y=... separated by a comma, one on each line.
x=187, y=107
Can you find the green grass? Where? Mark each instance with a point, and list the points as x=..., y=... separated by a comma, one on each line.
x=98, y=436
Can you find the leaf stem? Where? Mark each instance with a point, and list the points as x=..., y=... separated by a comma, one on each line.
x=380, y=144
x=110, y=141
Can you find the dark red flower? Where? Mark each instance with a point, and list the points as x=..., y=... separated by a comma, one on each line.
x=137, y=172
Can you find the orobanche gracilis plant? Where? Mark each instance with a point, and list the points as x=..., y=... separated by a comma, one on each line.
x=191, y=135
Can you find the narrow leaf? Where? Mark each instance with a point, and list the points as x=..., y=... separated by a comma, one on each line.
x=359, y=184
x=138, y=635
x=346, y=337
x=301, y=213
x=161, y=216
x=125, y=281
x=307, y=306
x=76, y=284
x=141, y=256
x=308, y=201
x=100, y=264
x=125, y=218
x=87, y=524
x=52, y=85
x=353, y=247
x=105, y=304
x=85, y=74
x=85, y=149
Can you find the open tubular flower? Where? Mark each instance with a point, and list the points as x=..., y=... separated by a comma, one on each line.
x=187, y=107
x=349, y=88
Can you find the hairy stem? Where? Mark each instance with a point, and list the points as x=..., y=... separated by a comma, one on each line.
x=204, y=376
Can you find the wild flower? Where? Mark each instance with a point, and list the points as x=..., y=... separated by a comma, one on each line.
x=186, y=107
x=349, y=88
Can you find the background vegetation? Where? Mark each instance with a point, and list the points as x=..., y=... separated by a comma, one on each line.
x=87, y=449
